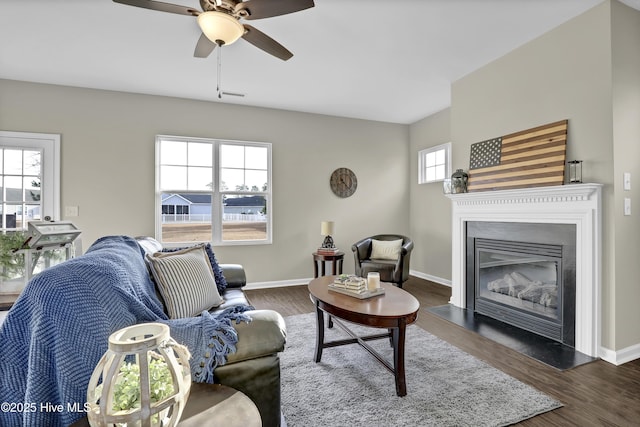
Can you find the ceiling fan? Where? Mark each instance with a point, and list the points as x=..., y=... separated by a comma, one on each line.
x=219, y=21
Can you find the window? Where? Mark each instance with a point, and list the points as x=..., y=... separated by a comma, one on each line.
x=434, y=164
x=29, y=178
x=212, y=190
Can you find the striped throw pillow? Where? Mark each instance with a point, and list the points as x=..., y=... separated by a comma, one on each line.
x=185, y=280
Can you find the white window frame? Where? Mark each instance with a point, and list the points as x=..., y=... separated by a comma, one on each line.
x=216, y=193
x=422, y=163
x=50, y=168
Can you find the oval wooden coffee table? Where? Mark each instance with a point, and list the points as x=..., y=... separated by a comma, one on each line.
x=393, y=310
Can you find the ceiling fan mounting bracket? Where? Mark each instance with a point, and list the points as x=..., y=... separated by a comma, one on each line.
x=224, y=6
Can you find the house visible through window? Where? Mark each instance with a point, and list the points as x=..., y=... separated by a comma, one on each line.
x=434, y=164
x=213, y=190
x=29, y=178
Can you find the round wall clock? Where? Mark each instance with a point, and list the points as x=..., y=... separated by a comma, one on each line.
x=343, y=182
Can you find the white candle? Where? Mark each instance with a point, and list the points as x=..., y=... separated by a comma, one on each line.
x=373, y=281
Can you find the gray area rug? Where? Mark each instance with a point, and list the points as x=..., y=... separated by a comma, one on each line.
x=445, y=386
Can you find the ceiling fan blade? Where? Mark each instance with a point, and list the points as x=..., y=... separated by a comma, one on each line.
x=258, y=9
x=160, y=6
x=266, y=43
x=204, y=47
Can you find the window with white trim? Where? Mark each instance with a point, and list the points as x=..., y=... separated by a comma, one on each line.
x=29, y=179
x=210, y=190
x=434, y=164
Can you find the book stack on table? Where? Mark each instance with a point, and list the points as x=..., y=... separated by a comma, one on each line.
x=328, y=251
x=354, y=286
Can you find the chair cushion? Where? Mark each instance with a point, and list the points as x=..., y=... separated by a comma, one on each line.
x=185, y=280
x=386, y=268
x=232, y=297
x=386, y=249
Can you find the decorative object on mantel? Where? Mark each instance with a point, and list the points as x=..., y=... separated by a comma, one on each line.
x=143, y=379
x=575, y=171
x=446, y=186
x=459, y=181
x=530, y=158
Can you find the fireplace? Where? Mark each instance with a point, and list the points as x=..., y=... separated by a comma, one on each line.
x=523, y=274
x=547, y=213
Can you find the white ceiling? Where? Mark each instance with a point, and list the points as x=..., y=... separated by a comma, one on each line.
x=390, y=61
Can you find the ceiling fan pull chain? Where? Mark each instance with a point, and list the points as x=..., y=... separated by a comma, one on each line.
x=219, y=87
x=219, y=71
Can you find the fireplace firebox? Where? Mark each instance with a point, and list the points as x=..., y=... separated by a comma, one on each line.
x=524, y=274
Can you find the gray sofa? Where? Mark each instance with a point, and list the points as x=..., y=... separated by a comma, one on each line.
x=56, y=332
x=254, y=368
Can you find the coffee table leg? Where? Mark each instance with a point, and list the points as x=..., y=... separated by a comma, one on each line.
x=320, y=333
x=398, y=357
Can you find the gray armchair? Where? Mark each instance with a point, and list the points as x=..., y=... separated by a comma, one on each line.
x=391, y=270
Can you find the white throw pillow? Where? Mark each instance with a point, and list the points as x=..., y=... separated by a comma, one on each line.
x=185, y=280
x=386, y=249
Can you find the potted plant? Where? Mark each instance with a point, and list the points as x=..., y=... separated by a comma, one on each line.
x=11, y=263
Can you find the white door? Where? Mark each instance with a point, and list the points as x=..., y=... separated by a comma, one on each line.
x=29, y=178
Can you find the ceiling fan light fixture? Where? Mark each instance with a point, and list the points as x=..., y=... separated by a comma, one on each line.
x=219, y=27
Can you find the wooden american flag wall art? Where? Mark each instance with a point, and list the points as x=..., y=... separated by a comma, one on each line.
x=530, y=158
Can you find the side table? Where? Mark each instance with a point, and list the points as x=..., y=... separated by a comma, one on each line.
x=335, y=259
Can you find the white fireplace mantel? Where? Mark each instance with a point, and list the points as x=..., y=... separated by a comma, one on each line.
x=578, y=204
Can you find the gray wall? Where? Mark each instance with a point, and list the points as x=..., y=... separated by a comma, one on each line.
x=430, y=209
x=625, y=44
x=107, y=145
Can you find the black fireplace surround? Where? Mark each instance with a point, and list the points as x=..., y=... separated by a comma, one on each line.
x=523, y=274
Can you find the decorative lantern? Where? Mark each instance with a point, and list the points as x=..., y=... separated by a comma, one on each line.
x=575, y=171
x=142, y=380
x=459, y=181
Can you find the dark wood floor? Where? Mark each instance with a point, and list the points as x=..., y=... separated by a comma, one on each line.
x=595, y=394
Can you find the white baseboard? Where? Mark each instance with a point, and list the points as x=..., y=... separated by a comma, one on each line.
x=431, y=278
x=277, y=283
x=621, y=356
x=305, y=281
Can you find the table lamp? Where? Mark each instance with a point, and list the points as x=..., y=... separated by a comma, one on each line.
x=326, y=229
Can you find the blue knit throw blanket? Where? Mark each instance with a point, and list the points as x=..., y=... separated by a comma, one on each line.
x=58, y=329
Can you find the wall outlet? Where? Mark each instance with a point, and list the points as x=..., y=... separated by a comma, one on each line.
x=626, y=181
x=70, y=211
x=627, y=206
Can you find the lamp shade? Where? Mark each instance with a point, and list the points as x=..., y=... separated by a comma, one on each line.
x=326, y=228
x=219, y=27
